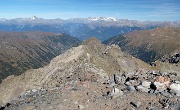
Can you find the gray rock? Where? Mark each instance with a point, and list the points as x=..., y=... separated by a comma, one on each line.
x=116, y=92
x=81, y=107
x=43, y=91
x=130, y=88
x=151, y=91
x=157, y=92
x=111, y=80
x=172, y=92
x=128, y=83
x=136, y=104
x=176, y=88
x=166, y=94
x=161, y=86
x=144, y=86
x=112, y=85
x=152, y=108
x=164, y=102
x=171, y=105
x=119, y=79
x=128, y=108
x=177, y=82
x=1, y=108
x=154, y=73
x=178, y=108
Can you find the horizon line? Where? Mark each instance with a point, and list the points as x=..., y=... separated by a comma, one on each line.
x=88, y=17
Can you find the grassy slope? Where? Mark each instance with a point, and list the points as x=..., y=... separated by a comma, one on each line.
x=149, y=45
x=22, y=51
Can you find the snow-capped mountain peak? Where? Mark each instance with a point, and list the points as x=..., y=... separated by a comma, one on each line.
x=33, y=17
x=102, y=19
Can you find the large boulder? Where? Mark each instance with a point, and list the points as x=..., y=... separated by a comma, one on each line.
x=116, y=93
x=144, y=86
x=161, y=83
x=176, y=88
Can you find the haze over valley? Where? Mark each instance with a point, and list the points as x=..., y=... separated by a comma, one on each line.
x=83, y=28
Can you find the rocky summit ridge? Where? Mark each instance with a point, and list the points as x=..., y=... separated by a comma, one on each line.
x=92, y=76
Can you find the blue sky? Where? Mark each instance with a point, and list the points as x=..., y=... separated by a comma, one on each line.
x=155, y=10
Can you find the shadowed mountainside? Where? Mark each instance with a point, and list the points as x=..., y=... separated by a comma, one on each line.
x=22, y=51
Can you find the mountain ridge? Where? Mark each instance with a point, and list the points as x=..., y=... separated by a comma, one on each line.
x=150, y=45
x=82, y=28
x=92, y=76
x=91, y=55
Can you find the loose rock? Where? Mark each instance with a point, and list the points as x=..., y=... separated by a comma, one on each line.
x=176, y=88
x=161, y=83
x=81, y=107
x=130, y=88
x=136, y=104
x=116, y=93
x=144, y=86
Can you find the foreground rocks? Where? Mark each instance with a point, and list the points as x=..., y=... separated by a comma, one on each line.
x=92, y=76
x=95, y=95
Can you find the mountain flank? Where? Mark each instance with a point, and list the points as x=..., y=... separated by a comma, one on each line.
x=150, y=45
x=20, y=51
x=92, y=76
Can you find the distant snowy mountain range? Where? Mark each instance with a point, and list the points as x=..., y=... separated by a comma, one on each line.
x=102, y=19
x=82, y=28
x=89, y=19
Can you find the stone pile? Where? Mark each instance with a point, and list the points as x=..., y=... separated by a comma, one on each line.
x=134, y=89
